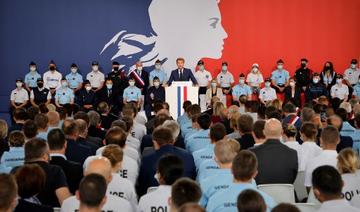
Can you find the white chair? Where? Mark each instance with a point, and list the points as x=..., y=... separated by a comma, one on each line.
x=151, y=189
x=312, y=199
x=300, y=188
x=306, y=207
x=279, y=192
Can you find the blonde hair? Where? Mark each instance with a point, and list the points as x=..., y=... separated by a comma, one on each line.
x=233, y=120
x=3, y=129
x=348, y=161
x=173, y=126
x=219, y=108
x=226, y=150
x=277, y=103
x=114, y=153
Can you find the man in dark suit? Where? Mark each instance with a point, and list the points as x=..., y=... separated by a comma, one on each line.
x=82, y=139
x=181, y=73
x=163, y=144
x=277, y=162
x=109, y=95
x=74, y=151
x=73, y=171
x=141, y=77
x=245, y=124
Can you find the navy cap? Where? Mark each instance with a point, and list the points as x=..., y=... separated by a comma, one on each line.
x=354, y=61
x=73, y=65
x=32, y=63
x=224, y=64
x=114, y=63
x=95, y=63
x=201, y=62
x=39, y=80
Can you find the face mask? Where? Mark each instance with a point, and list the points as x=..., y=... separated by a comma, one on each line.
x=316, y=80
x=292, y=84
x=19, y=84
x=303, y=65
x=213, y=84
x=64, y=84
x=280, y=67
x=338, y=81
x=267, y=84
x=224, y=68
x=116, y=69
x=132, y=83
x=32, y=68
x=139, y=68
x=95, y=68
x=255, y=70
x=88, y=88
x=40, y=84
x=109, y=86
x=157, y=67
x=73, y=70
x=201, y=68
x=353, y=66
x=156, y=84
x=241, y=81
x=52, y=68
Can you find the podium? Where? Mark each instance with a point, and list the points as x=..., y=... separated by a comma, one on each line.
x=179, y=92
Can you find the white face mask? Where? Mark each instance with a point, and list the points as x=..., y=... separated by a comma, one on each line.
x=241, y=81
x=353, y=66
x=224, y=68
x=255, y=70
x=156, y=84
x=157, y=67
x=95, y=68
x=213, y=84
x=292, y=84
x=338, y=81
x=32, y=68
x=19, y=84
x=64, y=84
x=73, y=70
x=139, y=68
x=267, y=84
x=132, y=83
x=109, y=86
x=280, y=67
x=88, y=88
x=316, y=80
x=201, y=68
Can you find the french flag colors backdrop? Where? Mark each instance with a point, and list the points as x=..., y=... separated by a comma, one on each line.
x=241, y=32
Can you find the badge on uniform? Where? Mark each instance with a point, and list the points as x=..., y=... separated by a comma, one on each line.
x=264, y=92
x=32, y=78
x=132, y=93
x=221, y=76
x=91, y=75
x=207, y=76
x=73, y=78
x=64, y=94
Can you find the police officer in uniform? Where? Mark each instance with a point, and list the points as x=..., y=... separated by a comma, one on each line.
x=74, y=79
x=31, y=77
x=40, y=94
x=303, y=75
x=155, y=93
x=203, y=77
x=225, y=79
x=132, y=93
x=64, y=95
x=119, y=81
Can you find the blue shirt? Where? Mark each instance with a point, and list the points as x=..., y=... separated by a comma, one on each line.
x=158, y=73
x=31, y=79
x=280, y=77
x=132, y=93
x=356, y=139
x=206, y=169
x=347, y=129
x=357, y=90
x=198, y=140
x=64, y=95
x=186, y=127
x=74, y=80
x=183, y=118
x=42, y=135
x=226, y=199
x=239, y=90
x=14, y=157
x=203, y=154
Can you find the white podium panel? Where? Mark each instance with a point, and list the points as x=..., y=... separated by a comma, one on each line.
x=179, y=92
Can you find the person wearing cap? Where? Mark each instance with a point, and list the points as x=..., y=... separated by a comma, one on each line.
x=315, y=89
x=203, y=77
x=267, y=93
x=19, y=97
x=118, y=78
x=280, y=77
x=40, y=94
x=96, y=77
x=31, y=77
x=340, y=90
x=74, y=79
x=181, y=73
x=328, y=75
x=351, y=75
x=303, y=74
x=241, y=89
x=52, y=78
x=254, y=79
x=156, y=93
x=64, y=95
x=132, y=93
x=159, y=73
x=225, y=79
x=292, y=93
x=86, y=97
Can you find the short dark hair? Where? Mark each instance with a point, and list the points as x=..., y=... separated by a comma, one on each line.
x=171, y=168
x=342, y=113
x=70, y=127
x=120, y=123
x=327, y=180
x=309, y=130
x=289, y=108
x=244, y=165
x=128, y=121
x=217, y=132
x=258, y=129
x=289, y=130
x=16, y=139
x=82, y=115
x=20, y=114
x=250, y=200
x=56, y=139
x=8, y=191
x=186, y=104
x=32, y=112
x=245, y=123
x=30, y=179
x=41, y=121
x=330, y=135
x=194, y=109
x=35, y=148
x=285, y=207
x=191, y=207
x=162, y=136
x=204, y=120
x=116, y=135
x=30, y=129
x=92, y=190
x=185, y=190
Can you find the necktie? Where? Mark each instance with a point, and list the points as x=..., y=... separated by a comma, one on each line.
x=181, y=76
x=109, y=93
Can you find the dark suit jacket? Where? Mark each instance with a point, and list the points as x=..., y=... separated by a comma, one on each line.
x=76, y=152
x=112, y=99
x=25, y=206
x=149, y=163
x=73, y=171
x=187, y=75
x=277, y=163
x=246, y=141
x=85, y=142
x=345, y=141
x=297, y=96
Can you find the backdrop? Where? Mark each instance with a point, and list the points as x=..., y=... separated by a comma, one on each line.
x=240, y=32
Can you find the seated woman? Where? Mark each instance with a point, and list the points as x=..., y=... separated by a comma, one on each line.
x=214, y=90
x=292, y=93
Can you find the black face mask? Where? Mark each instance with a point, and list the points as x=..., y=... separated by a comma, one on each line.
x=116, y=68
x=40, y=84
x=303, y=65
x=52, y=68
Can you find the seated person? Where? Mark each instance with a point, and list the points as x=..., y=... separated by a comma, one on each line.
x=132, y=93
x=15, y=156
x=280, y=77
x=267, y=93
x=340, y=90
x=86, y=97
x=255, y=78
x=154, y=93
x=241, y=89
x=184, y=191
x=292, y=93
x=213, y=91
x=64, y=95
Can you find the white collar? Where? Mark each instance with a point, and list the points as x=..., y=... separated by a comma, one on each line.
x=57, y=155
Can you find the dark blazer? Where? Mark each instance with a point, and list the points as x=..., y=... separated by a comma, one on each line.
x=144, y=77
x=73, y=171
x=187, y=75
x=85, y=142
x=96, y=132
x=149, y=163
x=76, y=152
x=277, y=163
x=345, y=141
x=246, y=141
x=111, y=98
x=25, y=206
x=297, y=96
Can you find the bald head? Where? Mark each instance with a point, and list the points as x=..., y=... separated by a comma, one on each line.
x=100, y=165
x=272, y=129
